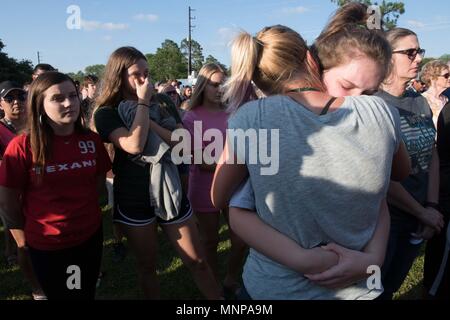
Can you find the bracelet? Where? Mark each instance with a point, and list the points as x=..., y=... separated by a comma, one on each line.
x=143, y=104
x=433, y=205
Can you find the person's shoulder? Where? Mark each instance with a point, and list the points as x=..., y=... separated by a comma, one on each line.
x=372, y=101
x=375, y=105
x=105, y=110
x=105, y=113
x=192, y=114
x=20, y=142
x=254, y=105
x=21, y=139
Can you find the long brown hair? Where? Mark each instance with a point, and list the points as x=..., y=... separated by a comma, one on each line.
x=111, y=85
x=347, y=36
x=40, y=132
x=204, y=76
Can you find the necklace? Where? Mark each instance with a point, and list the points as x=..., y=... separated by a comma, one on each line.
x=304, y=89
x=9, y=125
x=325, y=108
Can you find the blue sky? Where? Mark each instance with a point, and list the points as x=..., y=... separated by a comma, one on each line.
x=30, y=26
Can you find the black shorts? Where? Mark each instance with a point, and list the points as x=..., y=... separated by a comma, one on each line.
x=142, y=215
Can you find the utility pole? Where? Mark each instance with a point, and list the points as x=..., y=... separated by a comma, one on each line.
x=39, y=57
x=190, y=43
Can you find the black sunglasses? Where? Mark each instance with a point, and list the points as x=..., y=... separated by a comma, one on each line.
x=171, y=93
x=412, y=53
x=446, y=76
x=19, y=97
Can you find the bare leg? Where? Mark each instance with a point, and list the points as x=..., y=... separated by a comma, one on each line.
x=238, y=252
x=185, y=238
x=27, y=269
x=209, y=234
x=143, y=243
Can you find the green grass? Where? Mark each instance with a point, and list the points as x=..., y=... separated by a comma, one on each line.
x=120, y=280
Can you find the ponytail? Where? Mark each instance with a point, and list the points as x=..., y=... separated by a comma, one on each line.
x=244, y=58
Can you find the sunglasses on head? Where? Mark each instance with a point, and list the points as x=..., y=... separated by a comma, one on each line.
x=9, y=98
x=411, y=53
x=171, y=92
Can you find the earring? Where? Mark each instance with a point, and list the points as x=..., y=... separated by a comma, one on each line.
x=40, y=119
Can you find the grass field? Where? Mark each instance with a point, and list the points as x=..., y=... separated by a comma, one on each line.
x=120, y=279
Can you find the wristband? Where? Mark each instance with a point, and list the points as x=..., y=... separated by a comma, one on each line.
x=143, y=104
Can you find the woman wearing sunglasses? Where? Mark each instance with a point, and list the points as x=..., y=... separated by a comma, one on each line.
x=413, y=203
x=436, y=74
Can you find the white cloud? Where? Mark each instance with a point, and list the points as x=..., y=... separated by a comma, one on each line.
x=226, y=35
x=97, y=25
x=146, y=17
x=294, y=10
x=416, y=23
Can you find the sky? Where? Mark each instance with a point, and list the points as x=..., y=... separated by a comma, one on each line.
x=27, y=27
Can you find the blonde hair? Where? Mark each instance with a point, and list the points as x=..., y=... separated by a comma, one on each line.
x=432, y=70
x=347, y=36
x=204, y=76
x=270, y=59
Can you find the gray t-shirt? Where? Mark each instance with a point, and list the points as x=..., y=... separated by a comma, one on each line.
x=244, y=197
x=333, y=173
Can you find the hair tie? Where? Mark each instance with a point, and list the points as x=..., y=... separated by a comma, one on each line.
x=362, y=26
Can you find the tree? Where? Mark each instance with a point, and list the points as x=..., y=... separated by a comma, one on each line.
x=96, y=70
x=196, y=54
x=390, y=11
x=211, y=59
x=79, y=76
x=13, y=70
x=445, y=57
x=168, y=62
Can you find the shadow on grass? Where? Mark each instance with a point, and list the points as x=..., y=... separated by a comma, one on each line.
x=12, y=283
x=120, y=280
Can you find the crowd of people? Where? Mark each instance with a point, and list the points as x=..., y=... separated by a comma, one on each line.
x=362, y=131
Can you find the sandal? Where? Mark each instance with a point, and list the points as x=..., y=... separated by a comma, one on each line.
x=39, y=296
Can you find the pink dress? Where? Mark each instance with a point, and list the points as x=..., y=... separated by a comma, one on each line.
x=200, y=180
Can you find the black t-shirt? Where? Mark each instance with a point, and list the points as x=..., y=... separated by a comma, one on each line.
x=443, y=147
x=419, y=134
x=131, y=180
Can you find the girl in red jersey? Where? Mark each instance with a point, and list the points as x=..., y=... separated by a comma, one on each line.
x=50, y=180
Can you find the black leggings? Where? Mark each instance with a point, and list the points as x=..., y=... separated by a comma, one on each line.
x=58, y=280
